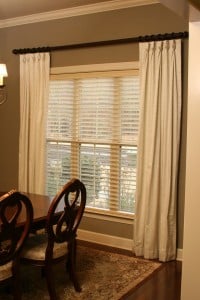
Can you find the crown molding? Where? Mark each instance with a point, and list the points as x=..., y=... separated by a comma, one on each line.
x=75, y=11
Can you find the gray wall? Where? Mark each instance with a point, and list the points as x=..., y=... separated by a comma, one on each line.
x=124, y=23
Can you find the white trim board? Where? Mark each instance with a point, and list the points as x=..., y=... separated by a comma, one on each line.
x=104, y=239
x=179, y=254
x=75, y=11
x=134, y=65
x=112, y=241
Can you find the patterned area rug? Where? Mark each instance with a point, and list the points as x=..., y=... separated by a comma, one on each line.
x=102, y=275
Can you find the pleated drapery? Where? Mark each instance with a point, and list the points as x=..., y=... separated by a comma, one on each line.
x=34, y=89
x=158, y=154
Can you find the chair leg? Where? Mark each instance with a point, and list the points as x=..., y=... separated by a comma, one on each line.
x=50, y=282
x=43, y=272
x=16, y=281
x=71, y=265
x=16, y=289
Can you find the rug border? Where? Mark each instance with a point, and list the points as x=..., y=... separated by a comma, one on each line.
x=128, y=291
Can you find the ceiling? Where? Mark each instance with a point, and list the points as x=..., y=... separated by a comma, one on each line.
x=18, y=8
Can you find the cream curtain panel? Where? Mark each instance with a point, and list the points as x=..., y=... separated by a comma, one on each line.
x=159, y=138
x=34, y=82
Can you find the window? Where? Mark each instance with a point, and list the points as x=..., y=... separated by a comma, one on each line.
x=92, y=132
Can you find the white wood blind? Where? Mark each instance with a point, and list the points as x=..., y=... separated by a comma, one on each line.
x=92, y=132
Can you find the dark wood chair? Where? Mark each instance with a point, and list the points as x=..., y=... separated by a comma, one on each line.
x=13, y=205
x=58, y=241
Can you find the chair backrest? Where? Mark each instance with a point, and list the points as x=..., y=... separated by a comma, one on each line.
x=72, y=200
x=16, y=215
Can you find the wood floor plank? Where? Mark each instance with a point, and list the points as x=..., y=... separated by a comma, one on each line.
x=165, y=284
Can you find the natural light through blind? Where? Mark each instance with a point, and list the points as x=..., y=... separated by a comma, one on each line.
x=92, y=132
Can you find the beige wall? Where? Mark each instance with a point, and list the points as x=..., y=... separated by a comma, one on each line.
x=130, y=22
x=191, y=257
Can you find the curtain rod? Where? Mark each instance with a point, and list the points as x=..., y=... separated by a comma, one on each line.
x=146, y=38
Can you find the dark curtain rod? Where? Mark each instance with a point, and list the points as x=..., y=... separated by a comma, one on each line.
x=146, y=38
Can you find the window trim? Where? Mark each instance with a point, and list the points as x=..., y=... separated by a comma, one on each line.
x=95, y=68
x=126, y=67
x=108, y=217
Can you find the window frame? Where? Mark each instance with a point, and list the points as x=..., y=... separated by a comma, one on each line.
x=66, y=72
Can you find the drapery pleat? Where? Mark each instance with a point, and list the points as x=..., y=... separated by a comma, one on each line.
x=158, y=150
x=34, y=89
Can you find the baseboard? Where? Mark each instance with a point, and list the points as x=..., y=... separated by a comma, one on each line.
x=112, y=241
x=104, y=239
x=179, y=254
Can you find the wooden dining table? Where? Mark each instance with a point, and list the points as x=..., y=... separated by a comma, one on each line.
x=41, y=205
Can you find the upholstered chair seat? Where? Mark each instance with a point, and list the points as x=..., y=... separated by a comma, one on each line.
x=6, y=271
x=36, y=245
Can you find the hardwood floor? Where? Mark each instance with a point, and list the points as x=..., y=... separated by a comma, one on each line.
x=164, y=284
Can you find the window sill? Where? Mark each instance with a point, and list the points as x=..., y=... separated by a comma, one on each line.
x=124, y=218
